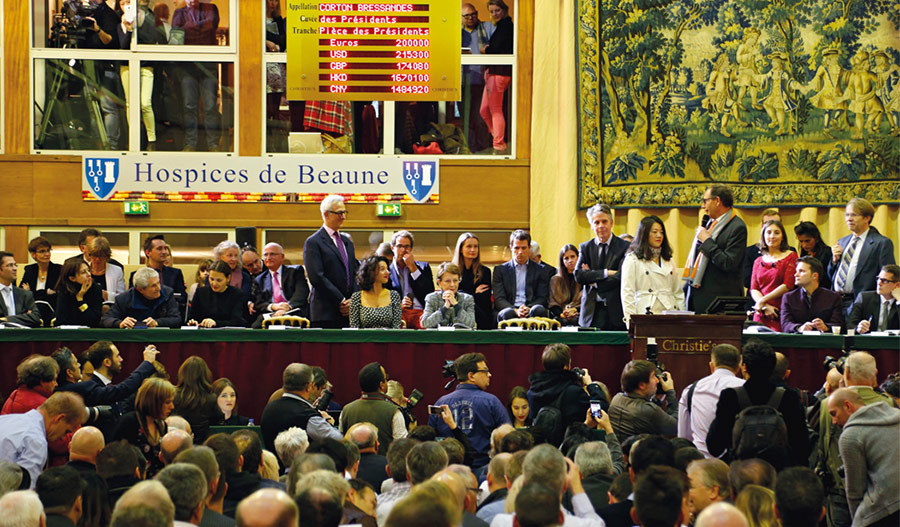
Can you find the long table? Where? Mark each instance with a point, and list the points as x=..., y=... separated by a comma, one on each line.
x=254, y=359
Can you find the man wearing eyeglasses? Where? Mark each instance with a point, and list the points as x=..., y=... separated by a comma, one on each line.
x=857, y=257
x=410, y=278
x=475, y=35
x=877, y=310
x=476, y=412
x=715, y=262
x=331, y=265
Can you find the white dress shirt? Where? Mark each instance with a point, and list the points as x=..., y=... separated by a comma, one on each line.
x=585, y=516
x=695, y=427
x=6, y=293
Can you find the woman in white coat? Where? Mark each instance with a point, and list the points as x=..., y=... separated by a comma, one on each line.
x=649, y=277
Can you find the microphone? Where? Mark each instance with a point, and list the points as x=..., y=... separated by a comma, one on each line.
x=705, y=221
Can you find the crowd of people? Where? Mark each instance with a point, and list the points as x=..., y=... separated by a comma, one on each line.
x=740, y=447
x=600, y=284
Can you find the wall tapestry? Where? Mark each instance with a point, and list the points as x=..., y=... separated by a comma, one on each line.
x=792, y=102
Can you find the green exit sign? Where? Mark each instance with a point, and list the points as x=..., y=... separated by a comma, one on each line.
x=136, y=208
x=387, y=209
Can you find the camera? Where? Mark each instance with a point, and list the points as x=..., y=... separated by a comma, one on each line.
x=448, y=370
x=414, y=397
x=71, y=24
x=578, y=372
x=660, y=374
x=831, y=362
x=324, y=400
x=97, y=413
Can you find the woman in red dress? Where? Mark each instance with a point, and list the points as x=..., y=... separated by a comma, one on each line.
x=773, y=274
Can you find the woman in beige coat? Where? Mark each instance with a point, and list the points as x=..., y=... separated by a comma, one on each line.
x=649, y=277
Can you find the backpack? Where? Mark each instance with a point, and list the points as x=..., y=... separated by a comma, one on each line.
x=549, y=421
x=759, y=430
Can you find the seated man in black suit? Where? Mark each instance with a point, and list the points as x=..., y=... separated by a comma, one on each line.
x=279, y=288
x=521, y=287
x=331, y=265
x=810, y=307
x=859, y=256
x=411, y=278
x=148, y=303
x=717, y=254
x=599, y=263
x=85, y=237
x=16, y=304
x=294, y=409
x=250, y=260
x=877, y=310
x=156, y=251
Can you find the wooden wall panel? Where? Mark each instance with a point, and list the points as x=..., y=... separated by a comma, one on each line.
x=16, y=76
x=250, y=87
x=524, y=75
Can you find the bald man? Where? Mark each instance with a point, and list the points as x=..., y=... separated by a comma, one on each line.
x=86, y=444
x=173, y=443
x=722, y=514
x=267, y=508
x=279, y=288
x=150, y=494
x=371, y=464
x=176, y=421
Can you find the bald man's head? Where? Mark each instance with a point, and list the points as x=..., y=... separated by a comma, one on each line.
x=86, y=444
x=176, y=421
x=174, y=443
x=151, y=493
x=456, y=482
x=842, y=404
x=364, y=436
x=267, y=508
x=721, y=514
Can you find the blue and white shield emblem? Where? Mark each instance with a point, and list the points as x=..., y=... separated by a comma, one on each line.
x=419, y=177
x=101, y=175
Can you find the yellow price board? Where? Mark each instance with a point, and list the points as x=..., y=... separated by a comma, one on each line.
x=390, y=50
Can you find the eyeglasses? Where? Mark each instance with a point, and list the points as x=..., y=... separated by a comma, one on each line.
x=483, y=371
x=471, y=15
x=707, y=199
x=885, y=280
x=403, y=246
x=341, y=213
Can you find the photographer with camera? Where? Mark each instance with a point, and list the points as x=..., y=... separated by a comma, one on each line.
x=569, y=390
x=375, y=407
x=476, y=412
x=634, y=411
x=860, y=375
x=101, y=23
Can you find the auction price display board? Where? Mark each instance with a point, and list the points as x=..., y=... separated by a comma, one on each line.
x=385, y=51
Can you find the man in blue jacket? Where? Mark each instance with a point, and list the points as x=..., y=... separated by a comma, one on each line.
x=476, y=412
x=148, y=303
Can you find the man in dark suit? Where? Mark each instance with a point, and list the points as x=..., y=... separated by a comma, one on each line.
x=148, y=303
x=156, y=251
x=371, y=463
x=715, y=262
x=331, y=265
x=410, y=278
x=16, y=304
x=279, y=288
x=196, y=25
x=85, y=237
x=521, y=287
x=599, y=262
x=294, y=409
x=810, y=307
x=877, y=310
x=857, y=257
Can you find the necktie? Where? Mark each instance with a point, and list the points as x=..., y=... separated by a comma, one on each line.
x=277, y=295
x=883, y=315
x=807, y=301
x=9, y=300
x=602, y=260
x=341, y=249
x=692, y=271
x=840, y=280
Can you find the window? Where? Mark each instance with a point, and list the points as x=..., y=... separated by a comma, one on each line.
x=154, y=75
x=451, y=128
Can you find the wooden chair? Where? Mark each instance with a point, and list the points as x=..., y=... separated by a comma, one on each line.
x=554, y=324
x=531, y=324
x=292, y=321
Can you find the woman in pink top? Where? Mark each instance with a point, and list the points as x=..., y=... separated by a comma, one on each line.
x=773, y=274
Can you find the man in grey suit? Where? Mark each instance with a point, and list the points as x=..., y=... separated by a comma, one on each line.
x=16, y=304
x=599, y=263
x=331, y=264
x=715, y=262
x=859, y=256
x=279, y=288
x=877, y=310
x=521, y=287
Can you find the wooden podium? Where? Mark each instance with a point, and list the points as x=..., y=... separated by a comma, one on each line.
x=684, y=342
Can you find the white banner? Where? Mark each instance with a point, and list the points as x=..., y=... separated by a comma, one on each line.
x=174, y=177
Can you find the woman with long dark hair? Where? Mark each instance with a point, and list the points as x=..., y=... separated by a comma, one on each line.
x=79, y=300
x=226, y=396
x=565, y=292
x=649, y=278
x=773, y=274
x=220, y=304
x=195, y=399
x=375, y=306
x=475, y=279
